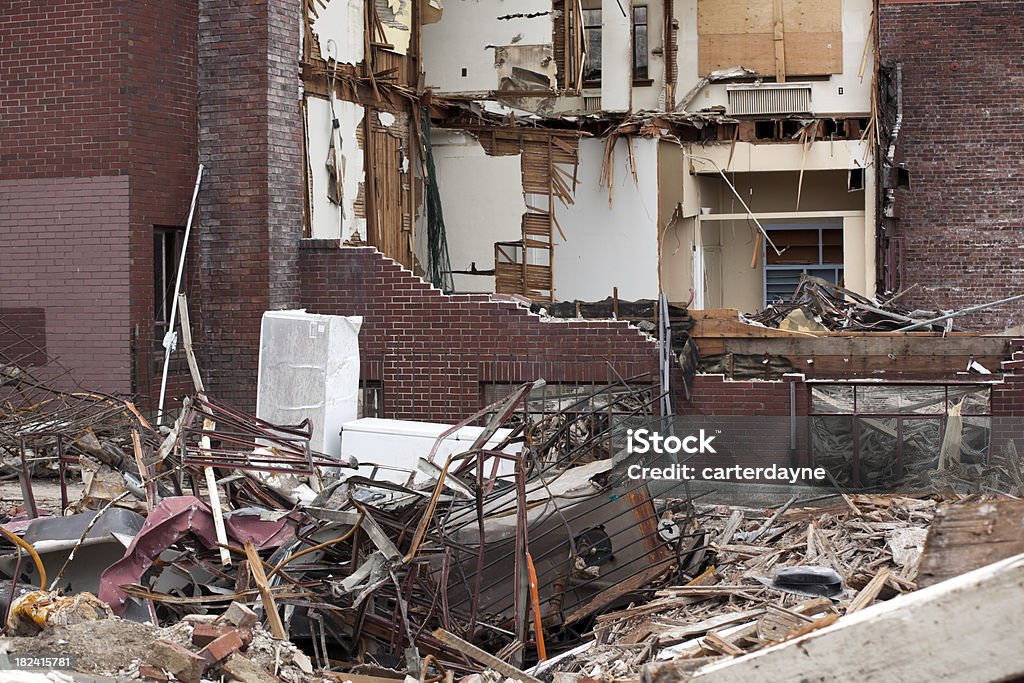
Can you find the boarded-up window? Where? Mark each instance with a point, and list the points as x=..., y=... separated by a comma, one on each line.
x=796, y=37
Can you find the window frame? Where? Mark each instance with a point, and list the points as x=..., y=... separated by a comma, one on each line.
x=641, y=78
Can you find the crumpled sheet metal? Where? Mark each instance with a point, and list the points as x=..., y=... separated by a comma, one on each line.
x=172, y=520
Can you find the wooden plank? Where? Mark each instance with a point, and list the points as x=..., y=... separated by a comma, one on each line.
x=259, y=577
x=922, y=636
x=485, y=658
x=724, y=50
x=785, y=38
x=965, y=537
x=813, y=16
x=814, y=54
x=779, y=39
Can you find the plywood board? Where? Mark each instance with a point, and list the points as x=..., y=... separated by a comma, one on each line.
x=734, y=16
x=812, y=16
x=814, y=54
x=741, y=33
x=722, y=51
x=807, y=54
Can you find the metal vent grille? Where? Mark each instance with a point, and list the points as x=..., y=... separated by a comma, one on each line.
x=770, y=100
x=592, y=103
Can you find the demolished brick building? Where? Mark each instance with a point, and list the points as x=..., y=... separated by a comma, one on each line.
x=713, y=155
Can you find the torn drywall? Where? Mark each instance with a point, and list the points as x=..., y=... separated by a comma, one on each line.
x=482, y=198
x=458, y=50
x=339, y=30
x=396, y=22
x=327, y=219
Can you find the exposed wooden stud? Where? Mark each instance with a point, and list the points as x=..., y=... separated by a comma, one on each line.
x=779, y=38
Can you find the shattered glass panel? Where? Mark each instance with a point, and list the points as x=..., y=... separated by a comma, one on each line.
x=832, y=447
x=922, y=440
x=879, y=459
x=906, y=399
x=923, y=400
x=832, y=399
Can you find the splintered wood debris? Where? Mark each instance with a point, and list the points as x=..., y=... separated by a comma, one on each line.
x=739, y=605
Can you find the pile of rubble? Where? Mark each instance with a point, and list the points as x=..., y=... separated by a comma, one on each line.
x=772, y=577
x=818, y=305
x=225, y=547
x=496, y=546
x=231, y=646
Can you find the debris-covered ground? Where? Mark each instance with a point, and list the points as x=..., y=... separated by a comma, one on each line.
x=770, y=578
x=222, y=547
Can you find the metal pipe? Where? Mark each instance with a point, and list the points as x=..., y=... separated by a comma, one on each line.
x=954, y=314
x=171, y=338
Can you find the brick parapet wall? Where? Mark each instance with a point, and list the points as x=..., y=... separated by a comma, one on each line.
x=431, y=352
x=962, y=139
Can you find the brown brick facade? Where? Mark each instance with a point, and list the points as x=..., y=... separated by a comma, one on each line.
x=962, y=140
x=64, y=252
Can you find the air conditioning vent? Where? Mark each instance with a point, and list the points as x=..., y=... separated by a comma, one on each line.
x=769, y=99
x=591, y=104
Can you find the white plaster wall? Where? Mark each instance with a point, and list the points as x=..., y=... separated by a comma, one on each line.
x=482, y=200
x=610, y=246
x=466, y=29
x=326, y=217
x=821, y=155
x=616, y=55
x=338, y=30
x=825, y=97
x=398, y=31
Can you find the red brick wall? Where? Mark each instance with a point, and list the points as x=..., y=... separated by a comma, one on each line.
x=98, y=137
x=64, y=248
x=163, y=139
x=63, y=70
x=962, y=140
x=432, y=352
x=754, y=417
x=251, y=204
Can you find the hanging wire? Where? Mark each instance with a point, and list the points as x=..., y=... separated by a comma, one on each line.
x=439, y=267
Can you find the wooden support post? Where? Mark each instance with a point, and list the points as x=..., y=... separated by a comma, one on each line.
x=204, y=442
x=147, y=485
x=259, y=577
x=780, y=43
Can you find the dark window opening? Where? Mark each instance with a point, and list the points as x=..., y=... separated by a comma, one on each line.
x=811, y=250
x=592, y=31
x=856, y=180
x=371, y=399
x=791, y=128
x=640, y=59
x=764, y=130
x=167, y=243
